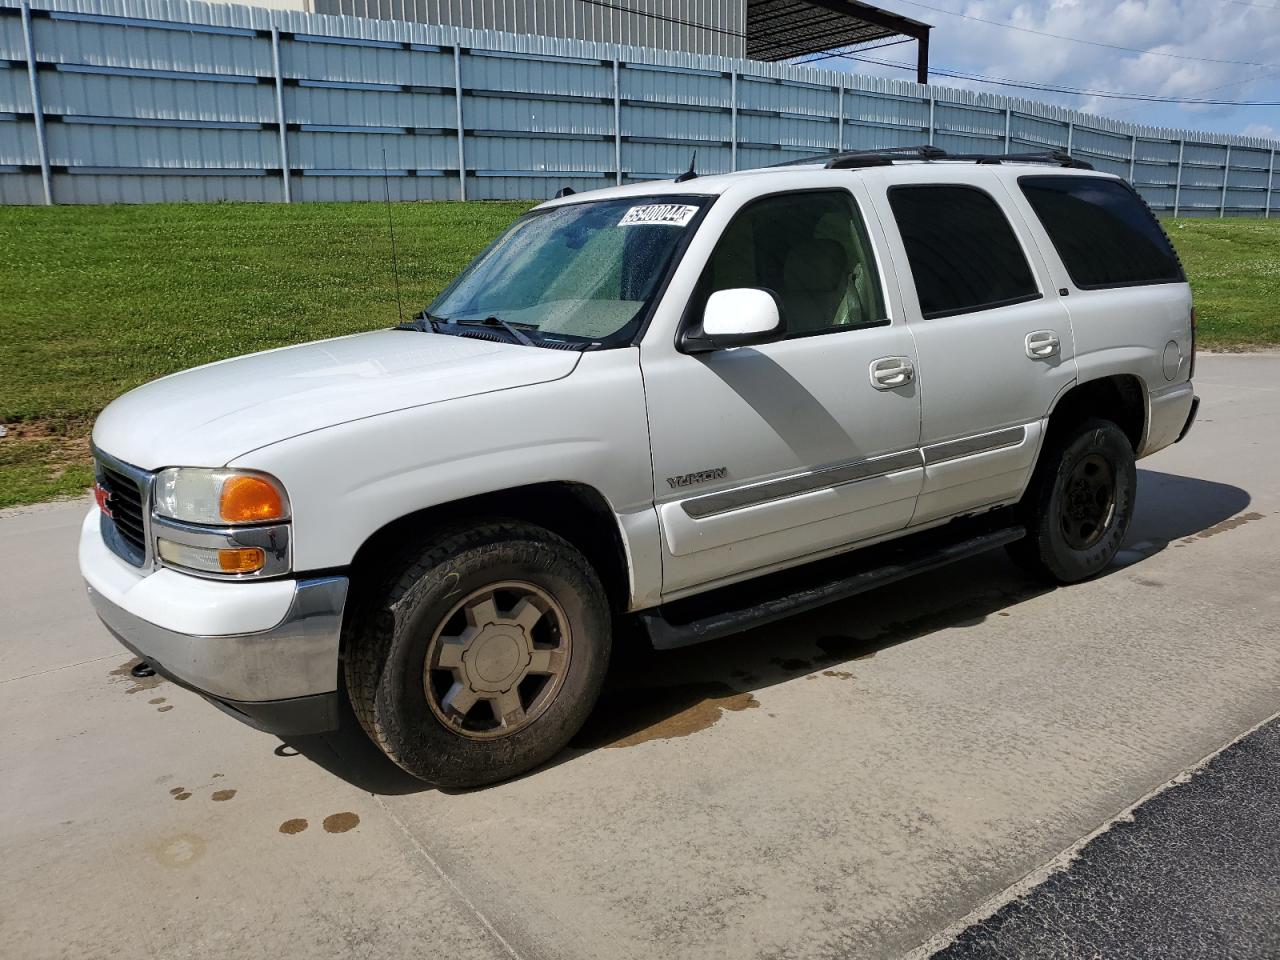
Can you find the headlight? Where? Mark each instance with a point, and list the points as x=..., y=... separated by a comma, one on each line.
x=197, y=495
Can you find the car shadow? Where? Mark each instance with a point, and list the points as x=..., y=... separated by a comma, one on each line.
x=656, y=695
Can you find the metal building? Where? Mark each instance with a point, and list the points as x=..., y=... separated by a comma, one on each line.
x=754, y=29
x=137, y=101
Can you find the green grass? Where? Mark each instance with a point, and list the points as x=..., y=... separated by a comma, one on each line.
x=96, y=300
x=1234, y=267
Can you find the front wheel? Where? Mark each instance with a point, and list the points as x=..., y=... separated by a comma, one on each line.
x=483, y=656
x=1080, y=502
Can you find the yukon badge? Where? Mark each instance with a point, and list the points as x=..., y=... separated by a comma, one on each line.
x=698, y=476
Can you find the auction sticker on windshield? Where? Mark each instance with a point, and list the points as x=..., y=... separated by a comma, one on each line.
x=672, y=214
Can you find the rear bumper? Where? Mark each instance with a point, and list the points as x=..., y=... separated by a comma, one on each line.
x=238, y=673
x=1169, y=410
x=1191, y=419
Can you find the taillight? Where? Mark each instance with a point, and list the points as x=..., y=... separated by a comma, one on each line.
x=1191, y=371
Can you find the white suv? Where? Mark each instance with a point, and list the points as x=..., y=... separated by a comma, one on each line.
x=634, y=401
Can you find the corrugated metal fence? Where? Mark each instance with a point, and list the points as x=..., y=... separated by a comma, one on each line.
x=105, y=101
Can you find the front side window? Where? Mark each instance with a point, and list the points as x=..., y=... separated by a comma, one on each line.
x=585, y=270
x=811, y=251
x=1103, y=232
x=963, y=254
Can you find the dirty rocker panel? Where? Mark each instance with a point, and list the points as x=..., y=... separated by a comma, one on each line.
x=753, y=603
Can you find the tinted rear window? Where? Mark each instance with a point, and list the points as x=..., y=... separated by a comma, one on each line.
x=963, y=253
x=1104, y=233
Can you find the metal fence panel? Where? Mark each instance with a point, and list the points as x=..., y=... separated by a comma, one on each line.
x=150, y=100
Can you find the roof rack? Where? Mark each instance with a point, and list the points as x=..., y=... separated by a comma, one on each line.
x=852, y=159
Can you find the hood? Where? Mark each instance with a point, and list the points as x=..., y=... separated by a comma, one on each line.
x=212, y=414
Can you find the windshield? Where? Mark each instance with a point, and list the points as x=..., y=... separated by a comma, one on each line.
x=586, y=270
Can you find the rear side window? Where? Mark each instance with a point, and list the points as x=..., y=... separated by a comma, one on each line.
x=1103, y=232
x=963, y=253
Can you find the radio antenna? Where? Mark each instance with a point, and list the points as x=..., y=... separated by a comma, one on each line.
x=391, y=228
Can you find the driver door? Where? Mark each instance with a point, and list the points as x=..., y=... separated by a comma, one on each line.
x=772, y=454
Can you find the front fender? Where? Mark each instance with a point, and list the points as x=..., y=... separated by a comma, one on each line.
x=347, y=481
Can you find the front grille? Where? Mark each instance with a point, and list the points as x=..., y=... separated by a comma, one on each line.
x=128, y=509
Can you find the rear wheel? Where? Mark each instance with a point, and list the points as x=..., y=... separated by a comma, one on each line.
x=1080, y=502
x=483, y=656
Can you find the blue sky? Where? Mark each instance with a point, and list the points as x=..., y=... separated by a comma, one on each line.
x=1247, y=31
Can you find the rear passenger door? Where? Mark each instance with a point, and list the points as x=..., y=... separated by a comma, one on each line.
x=993, y=339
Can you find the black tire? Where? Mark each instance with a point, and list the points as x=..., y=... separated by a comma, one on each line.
x=392, y=692
x=1071, y=534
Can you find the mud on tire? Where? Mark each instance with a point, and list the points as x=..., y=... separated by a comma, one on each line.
x=479, y=658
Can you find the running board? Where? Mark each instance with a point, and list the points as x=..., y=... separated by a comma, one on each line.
x=700, y=618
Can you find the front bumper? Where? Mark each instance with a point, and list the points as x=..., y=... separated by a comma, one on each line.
x=267, y=653
x=237, y=672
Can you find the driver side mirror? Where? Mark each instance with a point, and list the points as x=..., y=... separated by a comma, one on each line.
x=741, y=317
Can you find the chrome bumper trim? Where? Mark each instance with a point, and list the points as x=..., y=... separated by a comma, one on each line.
x=298, y=657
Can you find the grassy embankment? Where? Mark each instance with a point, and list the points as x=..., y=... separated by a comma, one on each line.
x=95, y=300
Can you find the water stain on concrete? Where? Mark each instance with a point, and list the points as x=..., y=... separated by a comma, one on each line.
x=180, y=851
x=221, y=795
x=122, y=674
x=1237, y=521
x=630, y=717
x=340, y=822
x=296, y=825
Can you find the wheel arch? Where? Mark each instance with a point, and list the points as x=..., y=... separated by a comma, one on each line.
x=575, y=511
x=1120, y=398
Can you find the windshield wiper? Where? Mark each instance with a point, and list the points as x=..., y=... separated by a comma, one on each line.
x=495, y=321
x=422, y=322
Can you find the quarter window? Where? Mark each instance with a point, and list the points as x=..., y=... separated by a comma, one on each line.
x=811, y=251
x=963, y=253
x=1103, y=232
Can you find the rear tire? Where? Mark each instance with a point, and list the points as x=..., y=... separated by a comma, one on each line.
x=1079, y=504
x=481, y=657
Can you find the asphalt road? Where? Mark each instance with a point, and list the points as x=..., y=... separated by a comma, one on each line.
x=899, y=774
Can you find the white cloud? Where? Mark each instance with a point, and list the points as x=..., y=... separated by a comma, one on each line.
x=1210, y=29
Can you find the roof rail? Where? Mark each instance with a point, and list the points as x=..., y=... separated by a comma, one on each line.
x=1059, y=157
x=853, y=159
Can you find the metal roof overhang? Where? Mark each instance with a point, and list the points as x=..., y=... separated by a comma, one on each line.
x=785, y=29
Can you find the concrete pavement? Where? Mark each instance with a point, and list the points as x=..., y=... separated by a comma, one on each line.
x=865, y=780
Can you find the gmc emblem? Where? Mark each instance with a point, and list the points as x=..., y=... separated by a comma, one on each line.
x=103, y=498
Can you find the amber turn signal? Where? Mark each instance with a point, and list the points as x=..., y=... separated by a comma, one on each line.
x=241, y=559
x=248, y=499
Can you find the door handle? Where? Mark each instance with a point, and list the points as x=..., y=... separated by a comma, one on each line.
x=888, y=373
x=1043, y=344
